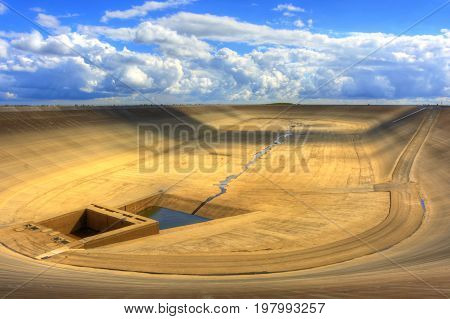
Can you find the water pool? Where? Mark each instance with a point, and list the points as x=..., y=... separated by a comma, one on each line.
x=169, y=218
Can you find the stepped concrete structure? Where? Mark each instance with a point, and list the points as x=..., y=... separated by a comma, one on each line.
x=303, y=201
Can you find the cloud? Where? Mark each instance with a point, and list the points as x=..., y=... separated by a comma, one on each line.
x=3, y=8
x=228, y=29
x=69, y=15
x=7, y=95
x=299, y=23
x=35, y=43
x=288, y=14
x=51, y=22
x=37, y=9
x=48, y=68
x=3, y=48
x=170, y=42
x=353, y=46
x=189, y=65
x=134, y=76
x=143, y=10
x=47, y=21
x=225, y=29
x=288, y=7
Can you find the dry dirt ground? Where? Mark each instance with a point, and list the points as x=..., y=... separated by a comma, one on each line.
x=353, y=203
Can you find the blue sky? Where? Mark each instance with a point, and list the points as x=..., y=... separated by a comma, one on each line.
x=339, y=16
x=175, y=51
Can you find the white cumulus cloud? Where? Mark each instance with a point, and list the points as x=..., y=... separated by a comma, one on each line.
x=187, y=56
x=133, y=76
x=170, y=42
x=51, y=67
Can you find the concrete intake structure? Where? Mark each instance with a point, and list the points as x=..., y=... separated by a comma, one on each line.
x=88, y=228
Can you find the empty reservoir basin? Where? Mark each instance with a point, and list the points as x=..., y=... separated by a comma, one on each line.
x=169, y=218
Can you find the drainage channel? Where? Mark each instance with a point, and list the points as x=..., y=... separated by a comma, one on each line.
x=223, y=185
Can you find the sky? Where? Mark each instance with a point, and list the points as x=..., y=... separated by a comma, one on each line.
x=206, y=51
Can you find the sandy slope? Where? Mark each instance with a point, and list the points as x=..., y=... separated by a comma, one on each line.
x=295, y=219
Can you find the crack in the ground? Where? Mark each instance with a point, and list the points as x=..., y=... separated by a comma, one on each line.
x=223, y=184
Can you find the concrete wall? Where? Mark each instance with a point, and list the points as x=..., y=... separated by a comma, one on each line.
x=141, y=204
x=123, y=234
x=66, y=223
x=104, y=222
